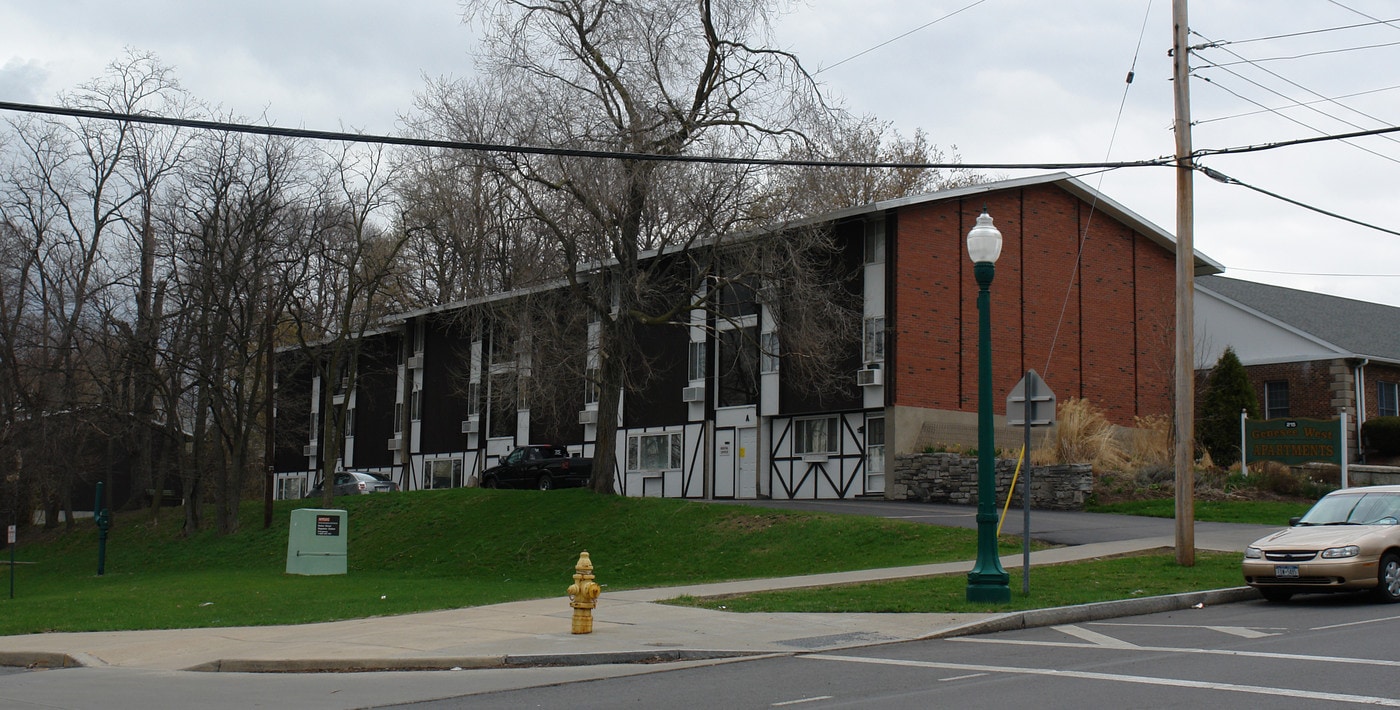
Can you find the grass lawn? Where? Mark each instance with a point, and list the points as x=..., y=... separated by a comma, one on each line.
x=1054, y=585
x=1264, y=512
x=425, y=550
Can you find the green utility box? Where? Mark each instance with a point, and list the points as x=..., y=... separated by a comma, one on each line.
x=316, y=542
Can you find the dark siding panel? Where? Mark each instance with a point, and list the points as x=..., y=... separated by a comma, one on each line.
x=294, y=374
x=446, y=372
x=667, y=347
x=374, y=400
x=796, y=397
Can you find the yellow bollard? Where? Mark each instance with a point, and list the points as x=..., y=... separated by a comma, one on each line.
x=583, y=595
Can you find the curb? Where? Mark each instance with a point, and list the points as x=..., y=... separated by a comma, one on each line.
x=341, y=665
x=1034, y=618
x=38, y=659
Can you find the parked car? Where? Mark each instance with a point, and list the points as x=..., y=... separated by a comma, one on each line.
x=1348, y=541
x=349, y=483
x=539, y=466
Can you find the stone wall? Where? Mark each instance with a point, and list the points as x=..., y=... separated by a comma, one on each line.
x=952, y=478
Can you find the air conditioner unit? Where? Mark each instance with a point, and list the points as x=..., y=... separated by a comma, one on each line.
x=415, y=362
x=870, y=376
x=693, y=394
x=469, y=426
x=309, y=450
x=588, y=416
x=394, y=443
x=338, y=399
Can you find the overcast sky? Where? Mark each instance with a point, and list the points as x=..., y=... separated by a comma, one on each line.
x=1014, y=81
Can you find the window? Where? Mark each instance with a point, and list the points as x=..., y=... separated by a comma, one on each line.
x=738, y=298
x=473, y=399
x=415, y=404
x=814, y=436
x=350, y=422
x=444, y=473
x=420, y=331
x=590, y=385
x=768, y=355
x=398, y=417
x=875, y=241
x=875, y=339
x=738, y=367
x=654, y=452
x=696, y=369
x=1388, y=399
x=502, y=405
x=1276, y=399
x=291, y=488
x=315, y=426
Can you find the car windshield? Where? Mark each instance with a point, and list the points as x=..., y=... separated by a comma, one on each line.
x=1355, y=509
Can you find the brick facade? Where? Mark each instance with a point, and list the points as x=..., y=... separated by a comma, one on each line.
x=1103, y=326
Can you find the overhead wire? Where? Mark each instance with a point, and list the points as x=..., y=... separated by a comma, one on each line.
x=892, y=40
x=1093, y=205
x=541, y=150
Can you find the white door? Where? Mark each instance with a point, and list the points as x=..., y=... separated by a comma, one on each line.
x=725, y=469
x=747, y=456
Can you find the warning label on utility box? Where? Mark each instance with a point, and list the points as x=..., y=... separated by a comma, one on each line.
x=328, y=525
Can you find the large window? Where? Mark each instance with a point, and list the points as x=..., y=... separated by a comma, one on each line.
x=291, y=488
x=738, y=367
x=591, y=390
x=875, y=339
x=654, y=452
x=443, y=473
x=501, y=402
x=1388, y=399
x=875, y=241
x=695, y=366
x=814, y=436
x=1276, y=399
x=769, y=354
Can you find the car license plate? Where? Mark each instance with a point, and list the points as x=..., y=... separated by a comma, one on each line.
x=1286, y=571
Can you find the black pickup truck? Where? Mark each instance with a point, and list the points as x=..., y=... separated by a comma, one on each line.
x=539, y=466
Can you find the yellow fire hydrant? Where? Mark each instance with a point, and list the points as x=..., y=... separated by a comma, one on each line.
x=583, y=595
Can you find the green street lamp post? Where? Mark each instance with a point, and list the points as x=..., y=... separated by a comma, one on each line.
x=988, y=581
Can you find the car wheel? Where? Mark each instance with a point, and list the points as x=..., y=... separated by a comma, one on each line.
x=489, y=482
x=1388, y=578
x=1276, y=595
x=545, y=483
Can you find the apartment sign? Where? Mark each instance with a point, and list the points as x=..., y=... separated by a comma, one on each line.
x=1294, y=441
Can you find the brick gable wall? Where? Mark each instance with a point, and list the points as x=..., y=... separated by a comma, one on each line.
x=1105, y=328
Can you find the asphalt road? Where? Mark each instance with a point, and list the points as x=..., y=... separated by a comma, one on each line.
x=1053, y=526
x=1318, y=651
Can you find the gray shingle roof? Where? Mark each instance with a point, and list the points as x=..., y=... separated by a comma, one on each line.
x=1364, y=328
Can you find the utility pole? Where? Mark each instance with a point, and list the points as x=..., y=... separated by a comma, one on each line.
x=1185, y=290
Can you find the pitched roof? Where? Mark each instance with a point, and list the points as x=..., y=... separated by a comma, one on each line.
x=1360, y=327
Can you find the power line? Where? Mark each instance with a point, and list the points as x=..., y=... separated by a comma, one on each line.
x=1221, y=177
x=1314, y=273
x=1306, y=54
x=892, y=40
x=1284, y=144
x=538, y=150
x=1268, y=109
x=1297, y=34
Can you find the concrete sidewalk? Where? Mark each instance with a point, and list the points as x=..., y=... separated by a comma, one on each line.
x=629, y=626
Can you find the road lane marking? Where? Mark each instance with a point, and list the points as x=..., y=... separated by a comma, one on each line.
x=963, y=677
x=1249, y=632
x=799, y=702
x=1120, y=678
x=1354, y=623
x=1094, y=637
x=1201, y=651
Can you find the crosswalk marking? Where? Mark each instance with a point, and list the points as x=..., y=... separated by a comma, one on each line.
x=1120, y=678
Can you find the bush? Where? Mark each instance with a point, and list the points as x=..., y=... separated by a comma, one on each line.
x=1227, y=391
x=1084, y=435
x=1382, y=434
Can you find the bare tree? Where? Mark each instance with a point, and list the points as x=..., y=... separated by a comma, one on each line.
x=667, y=79
x=343, y=282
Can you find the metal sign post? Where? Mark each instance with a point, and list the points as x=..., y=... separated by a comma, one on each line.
x=1037, y=408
